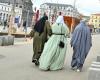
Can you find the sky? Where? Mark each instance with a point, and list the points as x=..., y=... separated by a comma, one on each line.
x=86, y=7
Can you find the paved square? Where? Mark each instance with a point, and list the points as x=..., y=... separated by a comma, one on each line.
x=17, y=63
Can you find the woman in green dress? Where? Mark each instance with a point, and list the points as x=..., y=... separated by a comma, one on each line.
x=53, y=55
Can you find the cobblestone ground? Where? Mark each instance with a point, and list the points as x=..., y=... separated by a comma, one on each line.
x=15, y=63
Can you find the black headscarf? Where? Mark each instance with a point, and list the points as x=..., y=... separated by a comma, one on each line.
x=39, y=26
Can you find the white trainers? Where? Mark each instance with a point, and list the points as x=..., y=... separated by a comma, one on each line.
x=74, y=68
x=78, y=70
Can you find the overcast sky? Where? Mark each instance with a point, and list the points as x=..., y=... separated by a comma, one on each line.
x=85, y=7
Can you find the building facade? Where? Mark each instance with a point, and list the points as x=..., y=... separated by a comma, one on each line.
x=5, y=10
x=95, y=21
x=53, y=10
x=21, y=8
x=27, y=11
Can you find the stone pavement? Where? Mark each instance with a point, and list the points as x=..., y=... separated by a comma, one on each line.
x=20, y=30
x=15, y=63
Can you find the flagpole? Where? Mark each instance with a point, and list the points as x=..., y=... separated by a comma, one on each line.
x=11, y=23
x=73, y=17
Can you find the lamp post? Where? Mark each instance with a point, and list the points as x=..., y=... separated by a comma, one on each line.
x=49, y=13
x=55, y=13
x=11, y=24
x=26, y=24
x=73, y=20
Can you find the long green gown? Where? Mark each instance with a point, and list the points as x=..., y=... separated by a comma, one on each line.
x=53, y=56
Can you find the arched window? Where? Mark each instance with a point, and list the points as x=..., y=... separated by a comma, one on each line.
x=5, y=8
x=2, y=7
x=7, y=16
x=0, y=16
x=4, y=16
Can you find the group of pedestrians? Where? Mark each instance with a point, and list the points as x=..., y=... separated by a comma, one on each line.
x=50, y=44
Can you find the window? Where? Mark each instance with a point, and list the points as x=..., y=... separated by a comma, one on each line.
x=95, y=25
x=71, y=10
x=60, y=7
x=0, y=15
x=2, y=7
x=49, y=6
x=20, y=6
x=7, y=16
x=92, y=17
x=5, y=8
x=16, y=5
x=3, y=16
x=8, y=3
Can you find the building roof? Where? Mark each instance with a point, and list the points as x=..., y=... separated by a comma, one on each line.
x=11, y=1
x=98, y=14
x=56, y=4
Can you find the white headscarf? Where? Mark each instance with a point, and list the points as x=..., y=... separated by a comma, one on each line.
x=60, y=19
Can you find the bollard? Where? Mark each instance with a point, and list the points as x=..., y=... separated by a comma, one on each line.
x=98, y=58
x=94, y=62
x=1, y=40
x=94, y=73
x=95, y=65
x=6, y=40
x=10, y=40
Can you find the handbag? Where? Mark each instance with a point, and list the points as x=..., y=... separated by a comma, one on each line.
x=61, y=43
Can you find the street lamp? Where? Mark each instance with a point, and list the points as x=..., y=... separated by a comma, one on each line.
x=26, y=24
x=12, y=18
x=27, y=14
x=73, y=20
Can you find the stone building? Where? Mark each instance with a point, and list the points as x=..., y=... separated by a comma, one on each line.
x=95, y=21
x=53, y=10
x=6, y=8
x=21, y=9
x=27, y=11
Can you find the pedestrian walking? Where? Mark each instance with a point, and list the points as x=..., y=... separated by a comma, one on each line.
x=5, y=24
x=40, y=33
x=53, y=55
x=24, y=26
x=81, y=43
